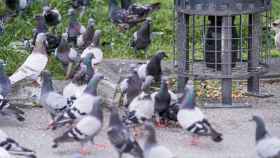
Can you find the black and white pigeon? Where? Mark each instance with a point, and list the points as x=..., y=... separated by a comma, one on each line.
x=51, y=15
x=85, y=130
x=142, y=38
x=66, y=54
x=267, y=146
x=35, y=63
x=81, y=5
x=83, y=105
x=5, y=89
x=142, y=108
x=143, y=10
x=52, y=101
x=163, y=101
x=121, y=137
x=152, y=67
x=80, y=79
x=125, y=4
x=75, y=28
x=94, y=49
x=192, y=119
x=13, y=147
x=121, y=17
x=86, y=38
x=151, y=147
x=130, y=87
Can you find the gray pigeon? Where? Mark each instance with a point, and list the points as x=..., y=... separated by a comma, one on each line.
x=5, y=89
x=86, y=38
x=142, y=107
x=66, y=54
x=75, y=28
x=152, y=148
x=83, y=105
x=142, y=38
x=13, y=147
x=85, y=130
x=192, y=119
x=153, y=67
x=121, y=137
x=52, y=101
x=130, y=87
x=266, y=145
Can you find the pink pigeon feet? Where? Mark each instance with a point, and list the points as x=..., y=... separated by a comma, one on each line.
x=84, y=151
x=101, y=146
x=195, y=140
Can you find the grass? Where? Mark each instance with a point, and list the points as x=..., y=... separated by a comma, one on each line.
x=21, y=27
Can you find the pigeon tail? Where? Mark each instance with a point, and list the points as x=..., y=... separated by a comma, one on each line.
x=216, y=136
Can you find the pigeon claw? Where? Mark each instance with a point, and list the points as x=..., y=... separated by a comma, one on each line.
x=84, y=151
x=55, y=145
x=101, y=146
x=195, y=140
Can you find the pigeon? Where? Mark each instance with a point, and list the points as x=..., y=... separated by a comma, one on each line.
x=35, y=62
x=80, y=79
x=75, y=28
x=267, y=146
x=94, y=48
x=162, y=101
x=142, y=38
x=5, y=89
x=17, y=5
x=13, y=147
x=81, y=5
x=2, y=27
x=86, y=38
x=121, y=17
x=85, y=130
x=276, y=27
x=192, y=119
x=66, y=54
x=83, y=105
x=151, y=147
x=153, y=67
x=52, y=101
x=130, y=87
x=142, y=108
x=51, y=15
x=121, y=138
x=125, y=4
x=5, y=154
x=143, y=10
x=41, y=27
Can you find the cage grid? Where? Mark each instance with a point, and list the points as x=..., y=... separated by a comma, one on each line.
x=222, y=40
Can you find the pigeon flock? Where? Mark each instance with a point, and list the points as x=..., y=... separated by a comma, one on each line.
x=80, y=109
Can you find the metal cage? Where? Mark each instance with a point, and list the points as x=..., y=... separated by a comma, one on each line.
x=222, y=40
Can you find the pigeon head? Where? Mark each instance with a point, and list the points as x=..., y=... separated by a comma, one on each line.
x=87, y=59
x=91, y=22
x=72, y=12
x=261, y=131
x=163, y=84
x=41, y=38
x=93, y=83
x=149, y=80
x=188, y=99
x=161, y=55
x=96, y=38
x=64, y=36
x=46, y=9
x=276, y=25
x=87, y=62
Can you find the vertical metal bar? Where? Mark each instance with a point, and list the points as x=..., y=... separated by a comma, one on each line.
x=254, y=51
x=174, y=32
x=226, y=60
x=216, y=38
x=241, y=39
x=182, y=43
x=203, y=38
x=193, y=41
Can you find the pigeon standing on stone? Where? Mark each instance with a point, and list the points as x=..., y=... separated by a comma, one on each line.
x=151, y=147
x=35, y=63
x=52, y=16
x=5, y=89
x=13, y=147
x=75, y=28
x=80, y=79
x=153, y=67
x=276, y=28
x=83, y=105
x=52, y=101
x=66, y=54
x=94, y=48
x=192, y=119
x=130, y=87
x=267, y=146
x=121, y=137
x=85, y=130
x=86, y=38
x=142, y=38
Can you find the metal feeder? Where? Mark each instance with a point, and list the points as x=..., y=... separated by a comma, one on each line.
x=222, y=40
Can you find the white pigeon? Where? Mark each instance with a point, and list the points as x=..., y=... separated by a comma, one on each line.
x=267, y=146
x=94, y=48
x=152, y=149
x=276, y=28
x=35, y=63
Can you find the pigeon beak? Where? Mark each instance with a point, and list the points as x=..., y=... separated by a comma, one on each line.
x=106, y=78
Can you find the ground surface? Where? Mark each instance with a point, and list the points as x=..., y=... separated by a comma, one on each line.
x=233, y=123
